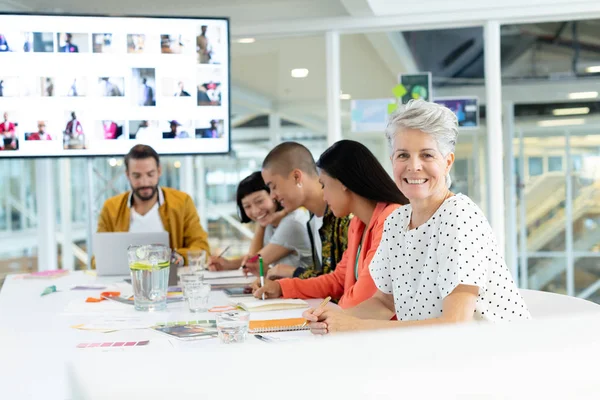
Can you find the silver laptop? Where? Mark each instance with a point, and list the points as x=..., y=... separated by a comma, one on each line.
x=110, y=249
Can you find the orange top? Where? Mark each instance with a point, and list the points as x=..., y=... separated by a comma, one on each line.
x=342, y=283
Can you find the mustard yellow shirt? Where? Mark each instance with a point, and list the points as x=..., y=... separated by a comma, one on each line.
x=177, y=213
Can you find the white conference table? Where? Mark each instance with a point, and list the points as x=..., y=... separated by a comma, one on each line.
x=38, y=331
x=549, y=358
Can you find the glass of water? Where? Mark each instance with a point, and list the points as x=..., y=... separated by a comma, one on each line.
x=196, y=295
x=233, y=326
x=197, y=260
x=149, y=266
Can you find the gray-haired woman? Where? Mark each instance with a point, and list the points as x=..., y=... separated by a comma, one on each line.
x=438, y=261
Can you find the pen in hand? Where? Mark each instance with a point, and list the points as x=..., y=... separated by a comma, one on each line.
x=262, y=274
x=320, y=306
x=253, y=259
x=224, y=251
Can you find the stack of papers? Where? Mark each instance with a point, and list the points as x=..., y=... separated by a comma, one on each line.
x=228, y=279
x=251, y=304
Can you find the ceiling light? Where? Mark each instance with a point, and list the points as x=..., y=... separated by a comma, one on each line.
x=561, y=122
x=299, y=73
x=593, y=70
x=112, y=162
x=246, y=40
x=345, y=96
x=583, y=95
x=571, y=111
x=177, y=164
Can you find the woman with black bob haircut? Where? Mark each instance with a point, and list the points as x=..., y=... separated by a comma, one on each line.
x=277, y=239
x=354, y=182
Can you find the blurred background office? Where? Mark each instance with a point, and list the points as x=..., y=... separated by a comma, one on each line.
x=296, y=81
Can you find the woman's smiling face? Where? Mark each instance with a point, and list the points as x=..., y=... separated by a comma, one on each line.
x=258, y=205
x=419, y=167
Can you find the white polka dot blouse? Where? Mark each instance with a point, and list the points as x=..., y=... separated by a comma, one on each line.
x=455, y=246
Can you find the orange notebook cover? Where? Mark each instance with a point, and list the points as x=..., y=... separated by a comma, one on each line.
x=278, y=325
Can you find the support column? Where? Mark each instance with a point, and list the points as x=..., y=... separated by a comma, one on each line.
x=201, y=204
x=512, y=258
x=187, y=175
x=523, y=258
x=570, y=272
x=275, y=129
x=91, y=210
x=46, y=212
x=23, y=195
x=493, y=86
x=334, y=106
x=66, y=211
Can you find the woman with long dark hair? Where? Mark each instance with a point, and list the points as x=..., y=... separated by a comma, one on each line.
x=354, y=182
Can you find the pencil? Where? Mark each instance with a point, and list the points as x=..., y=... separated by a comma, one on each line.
x=224, y=251
x=323, y=304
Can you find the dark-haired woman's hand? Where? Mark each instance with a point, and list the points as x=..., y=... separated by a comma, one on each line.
x=220, y=264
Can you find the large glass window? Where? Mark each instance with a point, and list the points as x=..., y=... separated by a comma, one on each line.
x=556, y=125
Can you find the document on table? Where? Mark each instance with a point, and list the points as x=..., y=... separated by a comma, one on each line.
x=79, y=306
x=116, y=323
x=236, y=273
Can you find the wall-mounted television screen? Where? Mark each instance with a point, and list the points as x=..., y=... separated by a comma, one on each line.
x=98, y=85
x=466, y=109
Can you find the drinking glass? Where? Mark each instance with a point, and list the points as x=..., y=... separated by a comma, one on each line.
x=232, y=326
x=149, y=266
x=196, y=295
x=187, y=279
x=197, y=260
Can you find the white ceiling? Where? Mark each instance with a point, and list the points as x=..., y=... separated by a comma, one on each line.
x=240, y=11
x=261, y=71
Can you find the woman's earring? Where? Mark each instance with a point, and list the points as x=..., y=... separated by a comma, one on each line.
x=299, y=184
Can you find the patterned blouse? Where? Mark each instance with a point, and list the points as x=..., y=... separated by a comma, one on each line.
x=334, y=239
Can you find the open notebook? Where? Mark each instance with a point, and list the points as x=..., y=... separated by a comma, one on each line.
x=278, y=325
x=251, y=304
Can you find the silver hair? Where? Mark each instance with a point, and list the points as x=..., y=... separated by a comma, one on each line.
x=431, y=118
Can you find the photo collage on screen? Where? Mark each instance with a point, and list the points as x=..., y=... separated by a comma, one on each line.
x=145, y=88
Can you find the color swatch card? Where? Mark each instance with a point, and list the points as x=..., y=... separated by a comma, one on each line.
x=112, y=345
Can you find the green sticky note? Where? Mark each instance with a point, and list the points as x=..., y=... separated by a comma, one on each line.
x=392, y=107
x=399, y=90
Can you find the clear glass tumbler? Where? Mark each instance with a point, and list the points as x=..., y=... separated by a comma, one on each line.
x=197, y=260
x=197, y=295
x=232, y=326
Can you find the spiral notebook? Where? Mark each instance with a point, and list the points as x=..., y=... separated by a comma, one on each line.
x=278, y=325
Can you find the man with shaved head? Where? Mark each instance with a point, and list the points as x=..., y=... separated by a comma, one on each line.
x=290, y=172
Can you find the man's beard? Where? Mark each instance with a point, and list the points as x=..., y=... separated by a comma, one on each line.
x=140, y=196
